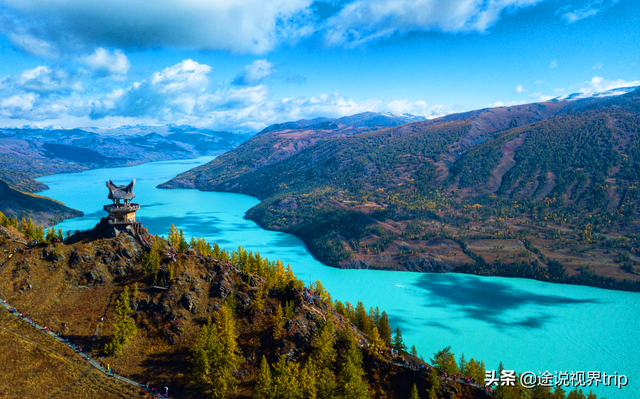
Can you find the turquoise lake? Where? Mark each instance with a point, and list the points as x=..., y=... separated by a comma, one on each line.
x=526, y=324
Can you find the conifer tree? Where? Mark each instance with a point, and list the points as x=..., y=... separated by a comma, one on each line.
x=445, y=361
x=398, y=342
x=414, y=392
x=217, y=356
x=288, y=310
x=376, y=340
x=559, y=393
x=339, y=306
x=259, y=298
x=286, y=384
x=326, y=384
x=124, y=327
x=278, y=324
x=414, y=351
x=462, y=365
x=174, y=236
x=434, y=390
x=472, y=370
x=308, y=380
x=324, y=352
x=384, y=329
x=264, y=384
x=352, y=384
x=362, y=321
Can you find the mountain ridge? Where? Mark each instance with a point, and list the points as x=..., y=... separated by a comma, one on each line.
x=386, y=198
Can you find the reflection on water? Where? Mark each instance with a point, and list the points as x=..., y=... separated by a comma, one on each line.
x=528, y=325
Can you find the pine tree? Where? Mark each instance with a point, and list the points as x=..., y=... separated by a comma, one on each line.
x=434, y=390
x=326, y=384
x=352, y=384
x=324, y=352
x=124, y=327
x=339, y=306
x=559, y=393
x=174, y=236
x=384, y=329
x=308, y=380
x=363, y=322
x=398, y=342
x=462, y=365
x=264, y=382
x=414, y=393
x=286, y=383
x=414, y=351
x=278, y=324
x=445, y=361
x=259, y=298
x=376, y=340
x=288, y=310
x=217, y=356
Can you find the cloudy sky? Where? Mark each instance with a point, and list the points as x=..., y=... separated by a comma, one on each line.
x=244, y=64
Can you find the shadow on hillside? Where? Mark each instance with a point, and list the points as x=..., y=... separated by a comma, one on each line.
x=170, y=369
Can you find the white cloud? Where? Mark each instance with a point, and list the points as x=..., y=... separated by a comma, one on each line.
x=42, y=79
x=598, y=65
x=539, y=82
x=553, y=64
x=254, y=73
x=248, y=26
x=32, y=45
x=54, y=27
x=540, y=96
x=369, y=20
x=598, y=84
x=101, y=60
x=176, y=90
x=589, y=9
x=17, y=104
x=182, y=93
x=521, y=89
x=559, y=90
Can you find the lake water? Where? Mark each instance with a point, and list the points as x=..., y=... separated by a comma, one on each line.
x=526, y=324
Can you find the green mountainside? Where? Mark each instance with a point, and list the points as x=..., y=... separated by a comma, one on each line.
x=546, y=191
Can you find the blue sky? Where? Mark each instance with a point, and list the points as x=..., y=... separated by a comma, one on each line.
x=242, y=65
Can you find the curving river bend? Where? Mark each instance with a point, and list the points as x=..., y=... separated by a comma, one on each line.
x=528, y=325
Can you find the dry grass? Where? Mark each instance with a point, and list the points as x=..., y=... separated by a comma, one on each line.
x=34, y=365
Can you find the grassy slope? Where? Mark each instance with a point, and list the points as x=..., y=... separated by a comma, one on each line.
x=33, y=364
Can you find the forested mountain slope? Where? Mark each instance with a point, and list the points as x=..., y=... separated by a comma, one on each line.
x=203, y=322
x=535, y=186
x=280, y=141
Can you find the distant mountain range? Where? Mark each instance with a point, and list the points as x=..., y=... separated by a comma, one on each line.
x=527, y=185
x=31, y=151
